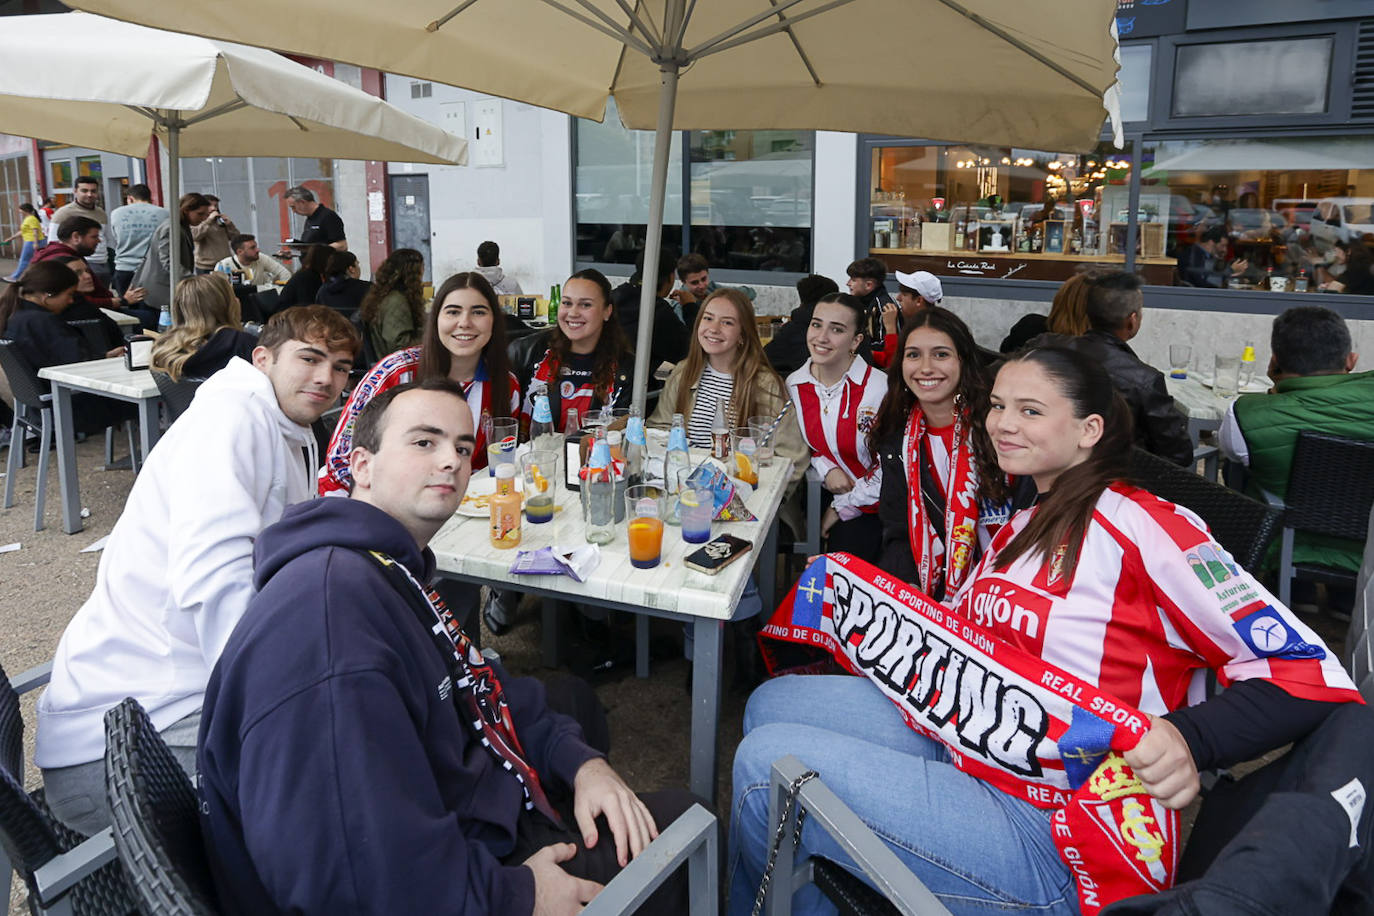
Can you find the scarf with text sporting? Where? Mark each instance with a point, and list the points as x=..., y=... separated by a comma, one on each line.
x=480, y=699
x=1007, y=717
x=938, y=560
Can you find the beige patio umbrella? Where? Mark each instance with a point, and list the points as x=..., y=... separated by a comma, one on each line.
x=1025, y=73
x=201, y=97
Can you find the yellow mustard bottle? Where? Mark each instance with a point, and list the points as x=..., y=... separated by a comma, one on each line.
x=505, y=509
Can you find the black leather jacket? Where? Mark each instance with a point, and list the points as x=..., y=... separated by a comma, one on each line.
x=1159, y=427
x=526, y=352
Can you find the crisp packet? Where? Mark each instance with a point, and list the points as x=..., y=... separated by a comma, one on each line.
x=575, y=562
x=729, y=505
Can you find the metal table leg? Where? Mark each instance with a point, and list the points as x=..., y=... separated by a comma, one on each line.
x=706, y=674
x=550, y=614
x=148, y=429
x=768, y=569
x=66, y=457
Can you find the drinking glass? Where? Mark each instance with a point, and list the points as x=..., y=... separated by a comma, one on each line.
x=501, y=442
x=644, y=506
x=696, y=508
x=539, y=469
x=744, y=455
x=762, y=427
x=1180, y=355
x=1226, y=376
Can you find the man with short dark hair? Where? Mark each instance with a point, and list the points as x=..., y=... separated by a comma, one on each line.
x=322, y=225
x=79, y=237
x=787, y=351
x=1115, y=309
x=359, y=755
x=670, y=337
x=85, y=202
x=866, y=278
x=176, y=574
x=1203, y=264
x=131, y=229
x=259, y=269
x=489, y=266
x=695, y=273
x=1316, y=388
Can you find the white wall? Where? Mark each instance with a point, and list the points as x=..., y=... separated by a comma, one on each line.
x=523, y=204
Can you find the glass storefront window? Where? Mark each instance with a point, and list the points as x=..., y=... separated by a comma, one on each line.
x=1288, y=212
x=749, y=195
x=751, y=198
x=250, y=190
x=997, y=212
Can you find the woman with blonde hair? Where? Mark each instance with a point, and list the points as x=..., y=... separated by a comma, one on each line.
x=207, y=330
x=393, y=310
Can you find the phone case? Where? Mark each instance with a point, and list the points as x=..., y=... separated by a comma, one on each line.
x=717, y=554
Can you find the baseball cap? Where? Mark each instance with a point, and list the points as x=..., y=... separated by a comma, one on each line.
x=925, y=283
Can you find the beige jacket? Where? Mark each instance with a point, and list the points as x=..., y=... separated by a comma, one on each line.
x=788, y=442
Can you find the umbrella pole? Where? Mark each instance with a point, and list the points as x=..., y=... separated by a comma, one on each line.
x=173, y=183
x=648, y=293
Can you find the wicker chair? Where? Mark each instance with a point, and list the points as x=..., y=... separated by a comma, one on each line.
x=64, y=871
x=156, y=818
x=1244, y=526
x=1330, y=492
x=176, y=395
x=32, y=413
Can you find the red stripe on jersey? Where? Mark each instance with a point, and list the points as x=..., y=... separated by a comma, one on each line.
x=812, y=427
x=847, y=426
x=1304, y=679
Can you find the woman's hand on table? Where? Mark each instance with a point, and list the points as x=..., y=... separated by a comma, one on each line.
x=1164, y=765
x=117, y=351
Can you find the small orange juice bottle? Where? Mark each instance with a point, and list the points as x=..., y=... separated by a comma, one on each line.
x=505, y=509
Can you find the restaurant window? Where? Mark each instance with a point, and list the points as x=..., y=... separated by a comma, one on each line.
x=60, y=178
x=1136, y=60
x=749, y=195
x=1289, y=211
x=250, y=190
x=998, y=212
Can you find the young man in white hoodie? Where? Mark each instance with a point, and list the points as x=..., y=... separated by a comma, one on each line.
x=177, y=572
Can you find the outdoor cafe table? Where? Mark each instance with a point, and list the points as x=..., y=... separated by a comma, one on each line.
x=463, y=551
x=1199, y=403
x=110, y=379
x=128, y=324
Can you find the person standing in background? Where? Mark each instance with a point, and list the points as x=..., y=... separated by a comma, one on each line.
x=322, y=225
x=30, y=231
x=86, y=202
x=131, y=229
x=489, y=266
x=211, y=237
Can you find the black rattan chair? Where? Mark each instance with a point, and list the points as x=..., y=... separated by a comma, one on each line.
x=64, y=871
x=32, y=413
x=1244, y=526
x=1330, y=492
x=176, y=395
x=156, y=818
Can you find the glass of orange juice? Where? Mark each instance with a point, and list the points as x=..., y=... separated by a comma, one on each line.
x=644, y=508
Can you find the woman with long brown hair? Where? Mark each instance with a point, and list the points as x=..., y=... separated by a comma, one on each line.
x=725, y=362
x=931, y=448
x=393, y=310
x=1099, y=581
x=465, y=341
x=584, y=362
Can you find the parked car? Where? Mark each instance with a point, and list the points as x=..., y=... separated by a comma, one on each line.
x=1342, y=219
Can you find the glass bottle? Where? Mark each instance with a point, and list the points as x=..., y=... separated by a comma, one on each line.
x=572, y=449
x=542, y=434
x=598, y=493
x=635, y=448
x=164, y=319
x=505, y=509
x=720, y=433
x=678, y=459
x=1247, y=364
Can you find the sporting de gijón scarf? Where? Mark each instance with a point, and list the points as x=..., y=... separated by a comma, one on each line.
x=1006, y=716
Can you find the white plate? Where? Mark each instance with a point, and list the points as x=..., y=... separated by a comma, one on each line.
x=480, y=489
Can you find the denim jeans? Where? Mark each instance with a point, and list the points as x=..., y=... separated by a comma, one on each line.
x=25, y=255
x=977, y=848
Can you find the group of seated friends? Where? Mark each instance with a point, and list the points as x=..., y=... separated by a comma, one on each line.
x=355, y=753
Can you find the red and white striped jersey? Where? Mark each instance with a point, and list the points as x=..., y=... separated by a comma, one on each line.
x=835, y=423
x=1153, y=604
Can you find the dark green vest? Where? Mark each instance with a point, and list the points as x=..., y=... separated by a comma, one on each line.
x=1341, y=405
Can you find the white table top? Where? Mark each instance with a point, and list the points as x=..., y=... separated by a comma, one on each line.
x=123, y=319
x=103, y=375
x=1197, y=401
x=463, y=546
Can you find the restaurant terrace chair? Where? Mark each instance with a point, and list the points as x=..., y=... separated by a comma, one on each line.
x=65, y=872
x=692, y=838
x=156, y=818
x=176, y=395
x=1244, y=526
x=32, y=413
x=900, y=890
x=1330, y=492
x=1359, y=651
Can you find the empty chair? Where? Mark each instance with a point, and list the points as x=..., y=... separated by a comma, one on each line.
x=32, y=413
x=64, y=871
x=156, y=818
x=1330, y=493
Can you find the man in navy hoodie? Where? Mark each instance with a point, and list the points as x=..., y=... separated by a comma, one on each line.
x=357, y=755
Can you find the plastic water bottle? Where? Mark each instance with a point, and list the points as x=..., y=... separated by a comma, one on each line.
x=1247, y=364
x=542, y=434
x=164, y=319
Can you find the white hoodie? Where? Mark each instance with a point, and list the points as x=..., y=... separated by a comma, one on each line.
x=501, y=284
x=177, y=572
